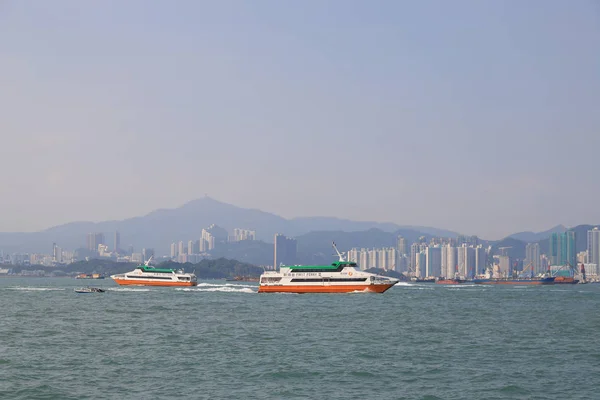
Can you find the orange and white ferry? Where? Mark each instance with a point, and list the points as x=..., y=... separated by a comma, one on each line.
x=339, y=277
x=145, y=275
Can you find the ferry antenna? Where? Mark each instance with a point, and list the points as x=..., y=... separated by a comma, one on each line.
x=340, y=255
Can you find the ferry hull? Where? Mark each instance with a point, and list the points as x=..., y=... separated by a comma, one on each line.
x=136, y=282
x=324, y=289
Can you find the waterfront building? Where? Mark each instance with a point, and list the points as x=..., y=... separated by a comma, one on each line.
x=433, y=261
x=532, y=256
x=466, y=261
x=480, y=259
x=421, y=265
x=505, y=264
x=402, y=263
x=562, y=248
x=414, y=250
x=593, y=246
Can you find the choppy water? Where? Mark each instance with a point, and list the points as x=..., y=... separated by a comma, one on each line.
x=222, y=340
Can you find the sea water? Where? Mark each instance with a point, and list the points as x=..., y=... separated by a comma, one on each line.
x=222, y=340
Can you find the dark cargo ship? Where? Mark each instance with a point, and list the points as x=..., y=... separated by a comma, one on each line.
x=515, y=281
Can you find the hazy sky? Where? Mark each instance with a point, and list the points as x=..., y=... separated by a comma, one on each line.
x=477, y=116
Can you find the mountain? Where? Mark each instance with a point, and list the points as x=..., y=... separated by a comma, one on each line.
x=580, y=239
x=160, y=228
x=530, y=237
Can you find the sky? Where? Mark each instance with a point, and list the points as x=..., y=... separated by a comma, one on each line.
x=481, y=117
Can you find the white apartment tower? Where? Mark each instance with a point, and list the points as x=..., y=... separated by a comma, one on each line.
x=363, y=261
x=593, y=246
x=353, y=255
x=480, y=260
x=421, y=265
x=532, y=256
x=372, y=259
x=433, y=261
x=402, y=249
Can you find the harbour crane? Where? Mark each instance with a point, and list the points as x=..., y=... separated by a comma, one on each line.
x=525, y=268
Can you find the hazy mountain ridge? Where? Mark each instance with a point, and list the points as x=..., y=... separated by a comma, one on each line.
x=159, y=228
x=536, y=237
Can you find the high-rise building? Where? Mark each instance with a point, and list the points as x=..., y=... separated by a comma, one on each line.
x=174, y=251
x=392, y=258
x=193, y=247
x=421, y=265
x=451, y=261
x=402, y=248
x=117, y=242
x=480, y=260
x=414, y=250
x=242, y=234
x=382, y=259
x=353, y=255
x=285, y=250
x=363, y=261
x=505, y=264
x=386, y=258
x=182, y=249
x=372, y=258
x=544, y=263
x=212, y=237
x=56, y=254
x=93, y=240
x=146, y=254
x=466, y=261
x=593, y=246
x=532, y=256
x=433, y=261
x=562, y=248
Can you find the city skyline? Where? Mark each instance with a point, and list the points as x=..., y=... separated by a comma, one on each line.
x=487, y=109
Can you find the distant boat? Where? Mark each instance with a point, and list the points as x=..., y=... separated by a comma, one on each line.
x=89, y=290
x=419, y=280
x=89, y=276
x=243, y=279
x=145, y=275
x=450, y=281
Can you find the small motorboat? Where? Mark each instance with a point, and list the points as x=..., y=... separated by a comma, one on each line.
x=89, y=290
